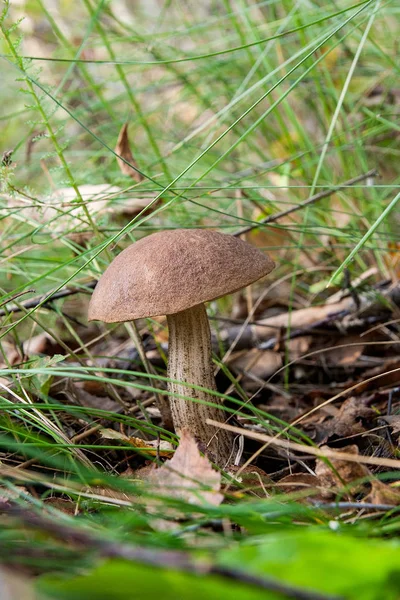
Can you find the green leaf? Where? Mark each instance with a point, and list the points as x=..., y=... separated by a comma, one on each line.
x=323, y=561
x=119, y=580
x=42, y=382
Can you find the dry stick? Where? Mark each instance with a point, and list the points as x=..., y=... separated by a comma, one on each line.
x=164, y=559
x=45, y=298
x=15, y=296
x=355, y=505
x=334, y=317
x=327, y=453
x=315, y=198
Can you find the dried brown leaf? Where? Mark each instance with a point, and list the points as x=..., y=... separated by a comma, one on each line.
x=188, y=476
x=298, y=346
x=62, y=504
x=76, y=393
x=249, y=478
x=340, y=473
x=123, y=150
x=393, y=421
x=304, y=483
x=38, y=344
x=349, y=419
x=260, y=363
x=96, y=194
x=390, y=372
x=382, y=493
x=345, y=354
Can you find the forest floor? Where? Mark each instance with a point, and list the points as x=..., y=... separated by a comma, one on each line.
x=273, y=122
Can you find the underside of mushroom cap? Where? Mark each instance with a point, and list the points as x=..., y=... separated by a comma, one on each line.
x=170, y=271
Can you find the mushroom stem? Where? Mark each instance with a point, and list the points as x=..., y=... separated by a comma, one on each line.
x=190, y=361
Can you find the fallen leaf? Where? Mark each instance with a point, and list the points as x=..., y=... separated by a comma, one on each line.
x=249, y=479
x=123, y=149
x=98, y=194
x=345, y=354
x=38, y=344
x=382, y=493
x=337, y=474
x=188, y=476
x=76, y=393
x=393, y=421
x=61, y=213
x=303, y=483
x=390, y=376
x=133, y=206
x=260, y=363
x=64, y=505
x=101, y=199
x=298, y=346
x=349, y=420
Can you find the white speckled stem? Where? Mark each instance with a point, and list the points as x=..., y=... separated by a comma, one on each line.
x=189, y=360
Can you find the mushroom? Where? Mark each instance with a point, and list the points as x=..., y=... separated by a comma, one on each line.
x=173, y=273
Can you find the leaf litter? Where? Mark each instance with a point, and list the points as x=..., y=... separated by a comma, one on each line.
x=338, y=396
x=342, y=378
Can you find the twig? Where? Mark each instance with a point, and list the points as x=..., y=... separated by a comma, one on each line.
x=295, y=333
x=45, y=299
x=315, y=198
x=286, y=590
x=318, y=325
x=15, y=296
x=170, y=559
x=355, y=505
x=312, y=450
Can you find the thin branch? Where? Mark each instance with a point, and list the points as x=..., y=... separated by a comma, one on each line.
x=18, y=295
x=309, y=450
x=312, y=200
x=355, y=505
x=276, y=586
x=317, y=327
x=45, y=299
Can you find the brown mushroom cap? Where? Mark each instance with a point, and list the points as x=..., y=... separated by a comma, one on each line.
x=170, y=271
